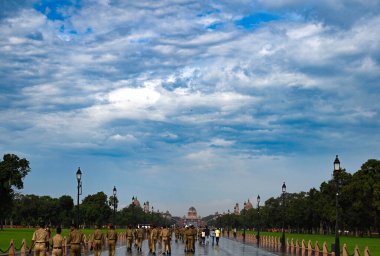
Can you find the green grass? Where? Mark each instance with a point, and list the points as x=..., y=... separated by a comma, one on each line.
x=372, y=243
x=18, y=234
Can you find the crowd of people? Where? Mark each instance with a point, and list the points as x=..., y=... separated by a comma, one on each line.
x=157, y=237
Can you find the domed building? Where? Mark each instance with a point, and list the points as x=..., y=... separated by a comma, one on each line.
x=248, y=205
x=136, y=202
x=192, y=218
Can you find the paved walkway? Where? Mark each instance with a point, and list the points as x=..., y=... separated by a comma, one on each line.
x=226, y=247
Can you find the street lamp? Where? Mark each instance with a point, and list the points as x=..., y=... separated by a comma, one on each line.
x=336, y=178
x=258, y=221
x=114, y=203
x=79, y=178
x=283, y=217
x=245, y=205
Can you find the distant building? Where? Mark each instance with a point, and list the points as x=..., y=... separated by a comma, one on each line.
x=192, y=218
x=237, y=209
x=146, y=207
x=135, y=202
x=248, y=205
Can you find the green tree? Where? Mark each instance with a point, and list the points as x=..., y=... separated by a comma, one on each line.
x=12, y=172
x=95, y=209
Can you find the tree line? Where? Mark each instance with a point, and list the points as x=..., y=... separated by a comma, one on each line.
x=311, y=212
x=314, y=211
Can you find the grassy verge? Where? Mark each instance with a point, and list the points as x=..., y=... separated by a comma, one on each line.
x=18, y=234
x=372, y=243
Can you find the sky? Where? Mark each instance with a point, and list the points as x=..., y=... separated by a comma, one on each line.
x=188, y=103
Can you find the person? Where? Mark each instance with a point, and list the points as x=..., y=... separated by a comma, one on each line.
x=207, y=234
x=129, y=235
x=112, y=239
x=75, y=240
x=56, y=243
x=39, y=241
x=165, y=234
x=217, y=236
x=139, y=238
x=212, y=234
x=235, y=232
x=153, y=239
x=97, y=241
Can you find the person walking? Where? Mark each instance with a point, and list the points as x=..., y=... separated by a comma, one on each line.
x=139, y=238
x=217, y=236
x=39, y=241
x=207, y=235
x=75, y=241
x=165, y=234
x=212, y=235
x=112, y=239
x=97, y=241
x=56, y=243
x=129, y=235
x=153, y=239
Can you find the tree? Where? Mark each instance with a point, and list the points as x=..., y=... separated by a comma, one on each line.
x=95, y=209
x=12, y=172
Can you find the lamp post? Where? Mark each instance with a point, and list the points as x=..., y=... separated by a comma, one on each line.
x=336, y=178
x=79, y=187
x=283, y=217
x=258, y=221
x=114, y=204
x=244, y=209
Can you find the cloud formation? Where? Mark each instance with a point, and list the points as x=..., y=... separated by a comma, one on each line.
x=205, y=95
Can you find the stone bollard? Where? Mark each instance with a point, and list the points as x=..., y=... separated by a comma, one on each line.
x=325, y=250
x=23, y=248
x=11, y=251
x=366, y=251
x=356, y=252
x=316, y=248
x=345, y=251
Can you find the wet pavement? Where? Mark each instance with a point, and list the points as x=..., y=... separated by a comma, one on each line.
x=226, y=247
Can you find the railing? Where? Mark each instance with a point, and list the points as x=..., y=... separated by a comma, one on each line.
x=296, y=248
x=87, y=245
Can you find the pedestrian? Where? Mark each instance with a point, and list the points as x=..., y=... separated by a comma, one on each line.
x=165, y=234
x=212, y=234
x=112, y=239
x=153, y=239
x=75, y=241
x=56, y=243
x=217, y=236
x=129, y=236
x=235, y=232
x=39, y=241
x=207, y=234
x=97, y=241
x=139, y=238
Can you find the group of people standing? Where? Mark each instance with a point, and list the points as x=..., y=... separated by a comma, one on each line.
x=161, y=236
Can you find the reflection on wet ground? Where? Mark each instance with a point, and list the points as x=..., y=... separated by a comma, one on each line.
x=226, y=247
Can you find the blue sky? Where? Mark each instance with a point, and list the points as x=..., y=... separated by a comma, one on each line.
x=185, y=103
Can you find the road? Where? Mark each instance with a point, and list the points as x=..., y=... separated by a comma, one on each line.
x=226, y=247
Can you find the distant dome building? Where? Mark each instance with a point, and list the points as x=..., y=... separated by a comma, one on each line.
x=136, y=202
x=192, y=218
x=192, y=213
x=248, y=205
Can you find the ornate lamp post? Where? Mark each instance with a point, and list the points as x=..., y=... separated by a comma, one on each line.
x=244, y=209
x=114, y=204
x=258, y=221
x=79, y=187
x=283, y=217
x=336, y=178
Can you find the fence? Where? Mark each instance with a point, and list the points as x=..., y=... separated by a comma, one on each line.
x=87, y=245
x=296, y=248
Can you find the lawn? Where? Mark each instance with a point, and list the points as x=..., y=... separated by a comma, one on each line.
x=372, y=243
x=18, y=234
